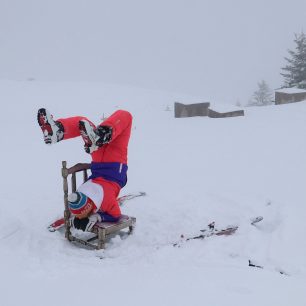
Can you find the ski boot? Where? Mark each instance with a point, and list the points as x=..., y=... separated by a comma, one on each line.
x=94, y=138
x=53, y=130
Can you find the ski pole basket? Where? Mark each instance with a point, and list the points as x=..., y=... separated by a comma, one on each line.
x=101, y=230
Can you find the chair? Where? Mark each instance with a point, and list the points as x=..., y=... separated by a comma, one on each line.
x=101, y=230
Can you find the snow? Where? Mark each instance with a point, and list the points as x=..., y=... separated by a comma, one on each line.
x=194, y=170
x=223, y=107
x=292, y=90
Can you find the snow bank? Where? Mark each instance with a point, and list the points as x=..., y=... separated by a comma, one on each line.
x=194, y=170
x=292, y=90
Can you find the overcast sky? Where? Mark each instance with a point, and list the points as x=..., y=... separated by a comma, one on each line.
x=217, y=50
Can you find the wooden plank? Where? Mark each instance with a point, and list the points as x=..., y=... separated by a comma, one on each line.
x=115, y=227
x=73, y=182
x=83, y=242
x=85, y=175
x=66, y=211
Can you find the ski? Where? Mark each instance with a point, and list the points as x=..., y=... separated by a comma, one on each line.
x=59, y=223
x=56, y=225
x=130, y=196
x=211, y=230
x=205, y=233
x=255, y=220
x=255, y=265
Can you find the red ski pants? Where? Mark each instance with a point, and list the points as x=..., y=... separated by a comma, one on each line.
x=117, y=149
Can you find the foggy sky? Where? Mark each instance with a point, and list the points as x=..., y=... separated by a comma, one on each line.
x=216, y=50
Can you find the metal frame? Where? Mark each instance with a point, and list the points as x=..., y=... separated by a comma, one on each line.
x=101, y=230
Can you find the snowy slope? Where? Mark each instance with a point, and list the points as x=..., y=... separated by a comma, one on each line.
x=194, y=170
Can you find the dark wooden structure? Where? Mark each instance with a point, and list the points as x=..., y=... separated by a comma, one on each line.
x=190, y=110
x=289, y=95
x=214, y=114
x=101, y=230
x=201, y=109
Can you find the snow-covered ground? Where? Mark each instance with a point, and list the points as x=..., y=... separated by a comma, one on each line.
x=194, y=170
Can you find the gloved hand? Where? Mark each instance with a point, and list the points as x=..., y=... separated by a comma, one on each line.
x=85, y=224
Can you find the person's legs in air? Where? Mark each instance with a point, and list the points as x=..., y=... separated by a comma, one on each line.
x=106, y=143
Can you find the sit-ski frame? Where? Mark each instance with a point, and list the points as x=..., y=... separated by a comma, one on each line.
x=101, y=229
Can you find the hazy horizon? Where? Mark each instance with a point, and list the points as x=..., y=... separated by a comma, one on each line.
x=218, y=51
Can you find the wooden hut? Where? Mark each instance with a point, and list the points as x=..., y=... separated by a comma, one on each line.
x=289, y=95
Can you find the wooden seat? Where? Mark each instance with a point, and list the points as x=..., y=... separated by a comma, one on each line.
x=101, y=230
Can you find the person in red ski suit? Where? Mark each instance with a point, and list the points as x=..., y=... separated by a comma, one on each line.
x=96, y=199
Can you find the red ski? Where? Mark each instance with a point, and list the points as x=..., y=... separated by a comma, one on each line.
x=211, y=230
